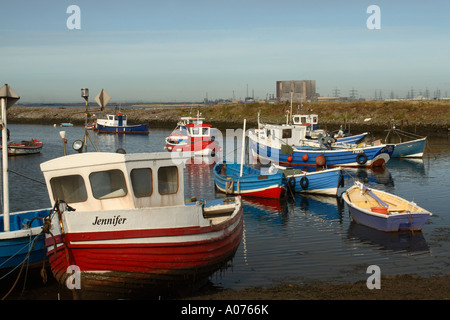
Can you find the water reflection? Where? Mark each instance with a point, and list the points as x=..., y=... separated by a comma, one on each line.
x=404, y=241
x=325, y=207
x=412, y=166
x=377, y=176
x=307, y=236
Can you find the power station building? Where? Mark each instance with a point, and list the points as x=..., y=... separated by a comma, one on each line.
x=302, y=90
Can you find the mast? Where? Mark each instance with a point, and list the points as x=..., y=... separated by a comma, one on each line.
x=243, y=149
x=8, y=97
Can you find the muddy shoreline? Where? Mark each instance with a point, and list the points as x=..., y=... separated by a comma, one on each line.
x=396, y=287
x=393, y=287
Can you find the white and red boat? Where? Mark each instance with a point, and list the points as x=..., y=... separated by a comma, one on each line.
x=127, y=229
x=194, y=138
x=24, y=147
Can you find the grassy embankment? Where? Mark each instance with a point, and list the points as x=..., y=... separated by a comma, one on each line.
x=423, y=117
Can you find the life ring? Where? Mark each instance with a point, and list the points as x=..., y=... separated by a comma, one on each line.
x=304, y=183
x=291, y=182
x=361, y=158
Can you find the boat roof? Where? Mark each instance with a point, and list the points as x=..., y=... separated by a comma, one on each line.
x=100, y=159
x=91, y=181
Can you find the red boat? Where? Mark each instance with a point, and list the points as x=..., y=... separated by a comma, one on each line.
x=128, y=232
x=193, y=138
x=24, y=147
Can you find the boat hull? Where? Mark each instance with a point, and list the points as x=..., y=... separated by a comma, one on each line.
x=131, y=129
x=324, y=182
x=16, y=243
x=24, y=148
x=374, y=217
x=359, y=157
x=160, y=252
x=251, y=184
x=196, y=148
x=409, y=222
x=410, y=149
x=353, y=139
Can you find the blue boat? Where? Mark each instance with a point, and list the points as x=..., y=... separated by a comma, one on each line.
x=252, y=182
x=410, y=144
x=285, y=145
x=24, y=236
x=383, y=211
x=325, y=182
x=410, y=149
x=352, y=139
x=117, y=123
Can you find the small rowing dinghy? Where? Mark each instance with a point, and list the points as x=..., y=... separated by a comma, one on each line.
x=384, y=211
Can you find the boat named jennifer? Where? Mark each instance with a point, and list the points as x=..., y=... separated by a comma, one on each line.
x=125, y=224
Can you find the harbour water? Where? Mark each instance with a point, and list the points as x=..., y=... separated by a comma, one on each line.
x=297, y=239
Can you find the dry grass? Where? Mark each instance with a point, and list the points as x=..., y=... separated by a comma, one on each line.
x=427, y=114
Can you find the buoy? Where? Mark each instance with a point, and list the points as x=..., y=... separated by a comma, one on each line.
x=320, y=160
x=289, y=158
x=305, y=157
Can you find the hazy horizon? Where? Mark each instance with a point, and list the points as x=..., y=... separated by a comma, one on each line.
x=166, y=51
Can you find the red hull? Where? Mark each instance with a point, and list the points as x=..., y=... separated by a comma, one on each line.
x=193, y=146
x=273, y=193
x=135, y=266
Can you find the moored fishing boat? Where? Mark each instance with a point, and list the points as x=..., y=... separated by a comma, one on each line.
x=126, y=226
x=286, y=145
x=324, y=181
x=410, y=149
x=194, y=138
x=410, y=145
x=24, y=147
x=384, y=211
x=251, y=182
x=118, y=123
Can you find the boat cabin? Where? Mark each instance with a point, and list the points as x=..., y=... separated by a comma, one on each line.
x=117, y=119
x=199, y=130
x=189, y=120
x=111, y=181
x=277, y=135
x=306, y=120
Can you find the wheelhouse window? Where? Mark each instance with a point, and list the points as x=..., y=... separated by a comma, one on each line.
x=71, y=188
x=168, y=180
x=195, y=131
x=287, y=133
x=108, y=184
x=141, y=180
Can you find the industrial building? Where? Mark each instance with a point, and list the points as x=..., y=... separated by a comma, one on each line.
x=301, y=90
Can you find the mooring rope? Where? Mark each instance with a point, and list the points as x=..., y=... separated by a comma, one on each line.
x=31, y=244
x=24, y=176
x=22, y=264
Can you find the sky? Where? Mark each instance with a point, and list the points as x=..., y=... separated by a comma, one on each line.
x=180, y=51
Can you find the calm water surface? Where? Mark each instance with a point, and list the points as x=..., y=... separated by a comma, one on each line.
x=301, y=239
